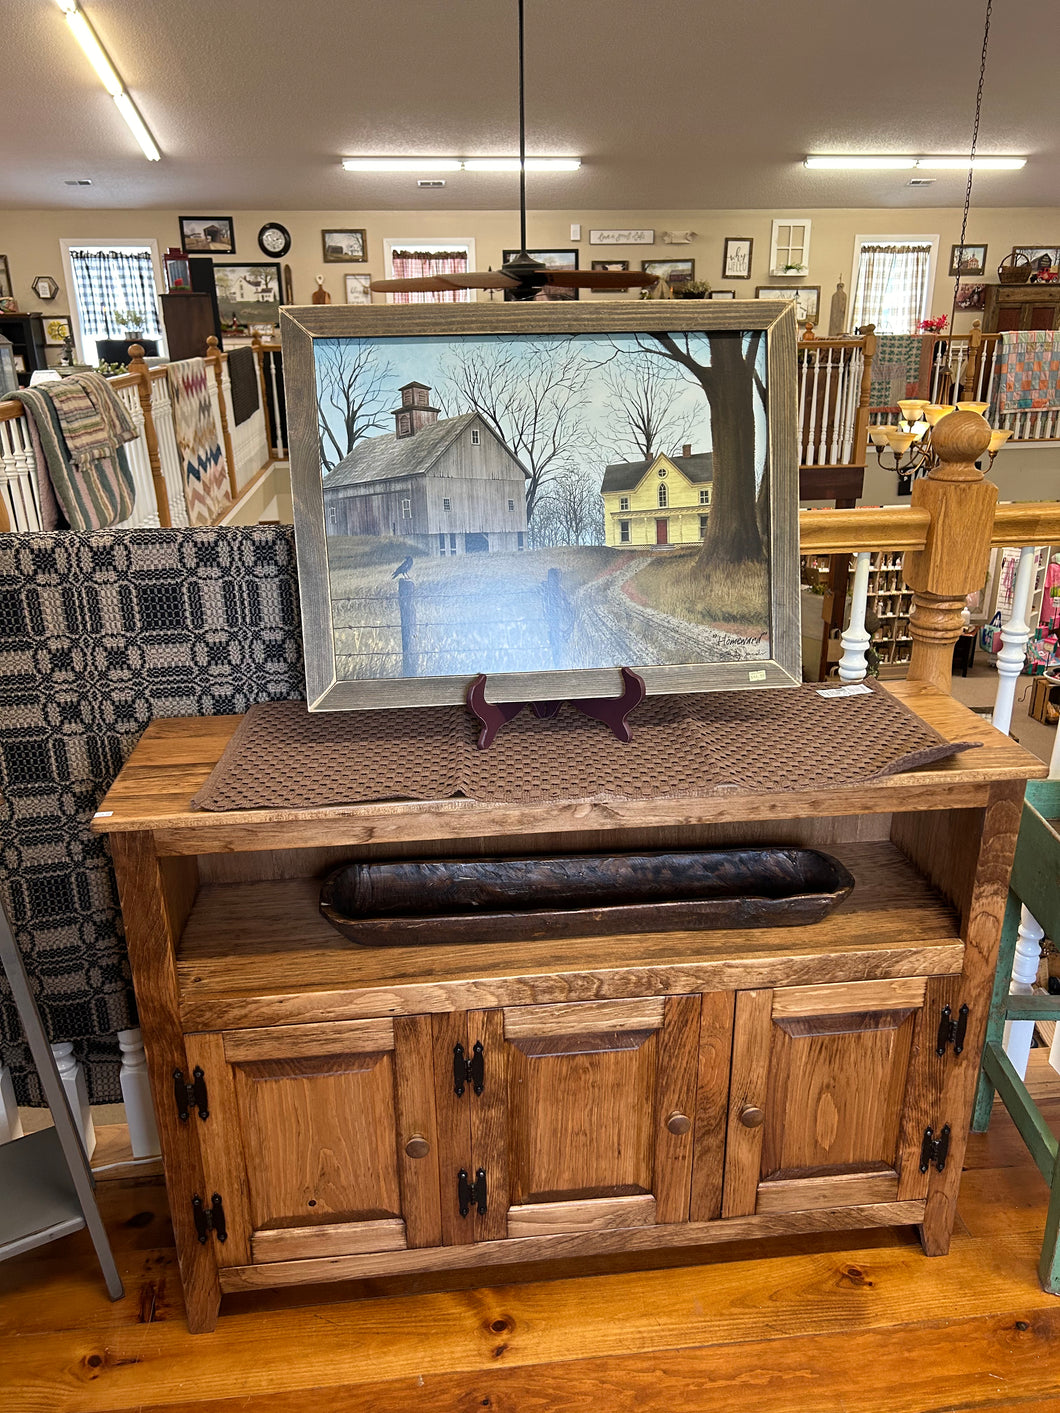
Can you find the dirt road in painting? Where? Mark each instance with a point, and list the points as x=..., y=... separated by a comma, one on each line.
x=537, y=611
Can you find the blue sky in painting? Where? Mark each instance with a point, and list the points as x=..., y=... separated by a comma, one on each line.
x=434, y=360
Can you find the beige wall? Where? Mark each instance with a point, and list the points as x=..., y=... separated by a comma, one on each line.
x=30, y=239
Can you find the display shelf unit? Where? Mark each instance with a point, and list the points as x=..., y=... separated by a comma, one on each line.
x=891, y=600
x=325, y=1113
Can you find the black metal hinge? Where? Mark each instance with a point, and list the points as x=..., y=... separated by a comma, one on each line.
x=465, y=1070
x=935, y=1149
x=952, y=1032
x=212, y=1220
x=190, y=1096
x=468, y=1192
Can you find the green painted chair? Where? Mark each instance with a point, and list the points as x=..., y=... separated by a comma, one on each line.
x=1035, y=884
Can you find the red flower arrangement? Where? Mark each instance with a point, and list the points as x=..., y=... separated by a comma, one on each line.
x=932, y=326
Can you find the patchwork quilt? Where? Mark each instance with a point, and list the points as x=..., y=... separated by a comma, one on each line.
x=205, y=473
x=1028, y=371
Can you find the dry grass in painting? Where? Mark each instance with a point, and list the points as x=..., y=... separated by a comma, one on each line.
x=733, y=596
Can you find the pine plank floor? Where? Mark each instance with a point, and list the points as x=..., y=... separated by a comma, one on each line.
x=822, y=1324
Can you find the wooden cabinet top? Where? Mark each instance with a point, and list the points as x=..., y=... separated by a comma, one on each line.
x=175, y=756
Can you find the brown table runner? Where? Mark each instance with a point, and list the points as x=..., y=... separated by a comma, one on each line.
x=285, y=757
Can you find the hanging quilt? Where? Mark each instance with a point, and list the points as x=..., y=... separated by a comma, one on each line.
x=1028, y=371
x=202, y=462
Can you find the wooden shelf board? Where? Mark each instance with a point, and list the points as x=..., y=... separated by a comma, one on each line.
x=175, y=757
x=260, y=954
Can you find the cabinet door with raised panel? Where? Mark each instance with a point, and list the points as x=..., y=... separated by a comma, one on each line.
x=587, y=1117
x=830, y=1093
x=321, y=1139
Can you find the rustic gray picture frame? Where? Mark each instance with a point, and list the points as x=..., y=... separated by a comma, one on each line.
x=302, y=326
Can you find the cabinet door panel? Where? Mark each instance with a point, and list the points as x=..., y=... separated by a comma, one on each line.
x=587, y=1090
x=823, y=1078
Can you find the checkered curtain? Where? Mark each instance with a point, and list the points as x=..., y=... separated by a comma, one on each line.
x=413, y=263
x=105, y=280
x=891, y=287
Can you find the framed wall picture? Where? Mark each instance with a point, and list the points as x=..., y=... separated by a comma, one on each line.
x=554, y=260
x=635, y=236
x=722, y=294
x=342, y=247
x=425, y=475
x=358, y=289
x=610, y=265
x=674, y=272
x=807, y=298
x=971, y=296
x=248, y=294
x=56, y=329
x=1041, y=257
x=207, y=235
x=967, y=259
x=5, y=278
x=736, y=260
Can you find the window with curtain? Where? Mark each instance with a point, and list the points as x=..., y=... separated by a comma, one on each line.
x=891, y=285
x=106, y=280
x=412, y=259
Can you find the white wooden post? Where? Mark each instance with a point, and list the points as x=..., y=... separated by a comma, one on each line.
x=855, y=637
x=135, y=1090
x=10, y=1122
x=1014, y=636
x=73, y=1077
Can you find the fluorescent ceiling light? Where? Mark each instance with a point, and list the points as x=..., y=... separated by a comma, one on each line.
x=137, y=127
x=457, y=164
x=957, y=164
x=108, y=77
x=401, y=164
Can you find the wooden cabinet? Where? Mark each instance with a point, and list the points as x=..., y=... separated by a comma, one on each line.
x=334, y=1112
x=1010, y=307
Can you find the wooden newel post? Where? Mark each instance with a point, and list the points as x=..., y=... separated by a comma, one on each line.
x=953, y=562
x=259, y=354
x=216, y=357
x=143, y=388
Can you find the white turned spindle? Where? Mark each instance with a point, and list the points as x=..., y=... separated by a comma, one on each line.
x=826, y=415
x=136, y=1091
x=10, y=1122
x=855, y=637
x=1014, y=636
x=1019, y=1034
x=804, y=373
x=73, y=1077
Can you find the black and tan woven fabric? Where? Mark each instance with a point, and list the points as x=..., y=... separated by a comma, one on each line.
x=99, y=633
x=286, y=757
x=243, y=377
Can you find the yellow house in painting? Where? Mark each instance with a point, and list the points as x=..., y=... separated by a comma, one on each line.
x=664, y=501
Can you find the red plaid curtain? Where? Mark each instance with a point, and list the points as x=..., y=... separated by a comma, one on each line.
x=413, y=263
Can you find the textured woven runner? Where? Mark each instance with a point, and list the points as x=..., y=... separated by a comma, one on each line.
x=285, y=757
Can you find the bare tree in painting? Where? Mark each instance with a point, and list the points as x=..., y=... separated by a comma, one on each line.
x=533, y=395
x=568, y=511
x=351, y=396
x=642, y=413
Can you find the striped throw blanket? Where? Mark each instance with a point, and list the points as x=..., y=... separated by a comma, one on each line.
x=202, y=462
x=79, y=428
x=1028, y=367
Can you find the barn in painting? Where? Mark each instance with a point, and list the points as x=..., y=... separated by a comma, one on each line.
x=450, y=485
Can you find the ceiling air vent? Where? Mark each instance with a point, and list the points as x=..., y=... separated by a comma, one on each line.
x=77, y=181
x=430, y=181
x=921, y=181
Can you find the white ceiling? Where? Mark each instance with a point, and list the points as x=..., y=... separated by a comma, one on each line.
x=673, y=104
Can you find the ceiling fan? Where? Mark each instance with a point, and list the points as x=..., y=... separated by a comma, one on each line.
x=522, y=276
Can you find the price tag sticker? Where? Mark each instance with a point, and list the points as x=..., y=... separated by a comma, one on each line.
x=759, y=675
x=102, y=814
x=852, y=689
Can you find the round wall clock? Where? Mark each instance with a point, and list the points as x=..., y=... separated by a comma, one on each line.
x=274, y=239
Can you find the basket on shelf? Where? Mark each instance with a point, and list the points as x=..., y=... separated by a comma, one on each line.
x=1011, y=271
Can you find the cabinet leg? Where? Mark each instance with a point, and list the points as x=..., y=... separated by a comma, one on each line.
x=937, y=1227
x=202, y=1308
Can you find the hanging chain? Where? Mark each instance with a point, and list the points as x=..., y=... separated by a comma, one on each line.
x=971, y=158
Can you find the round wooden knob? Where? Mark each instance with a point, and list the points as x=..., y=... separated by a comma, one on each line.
x=752, y=1117
x=417, y=1146
x=678, y=1123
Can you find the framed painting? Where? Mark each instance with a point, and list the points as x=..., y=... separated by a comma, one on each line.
x=341, y=247
x=248, y=294
x=472, y=494
x=722, y=294
x=675, y=272
x=967, y=259
x=554, y=260
x=5, y=278
x=56, y=329
x=358, y=289
x=618, y=265
x=207, y=235
x=807, y=298
x=736, y=261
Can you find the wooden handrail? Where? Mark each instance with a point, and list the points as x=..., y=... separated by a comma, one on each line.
x=850, y=531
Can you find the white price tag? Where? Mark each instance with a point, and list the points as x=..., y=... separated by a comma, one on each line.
x=852, y=689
